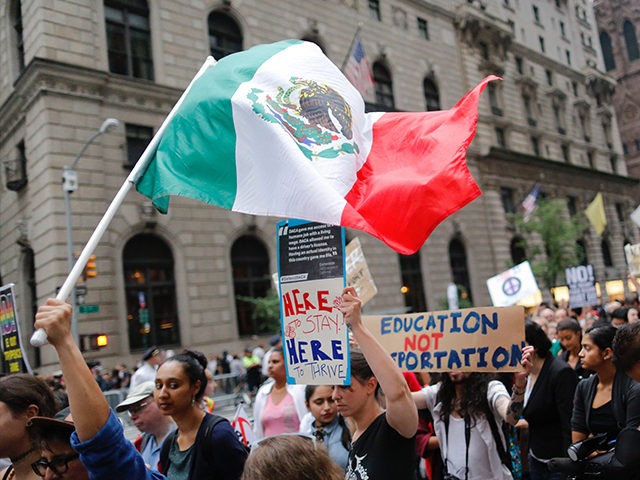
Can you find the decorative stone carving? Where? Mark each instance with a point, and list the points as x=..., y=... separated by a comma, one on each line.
x=399, y=17
x=476, y=28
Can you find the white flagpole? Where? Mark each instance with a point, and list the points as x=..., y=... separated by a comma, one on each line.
x=39, y=337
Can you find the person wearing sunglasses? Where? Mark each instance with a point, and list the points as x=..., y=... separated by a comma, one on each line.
x=96, y=434
x=290, y=455
x=147, y=417
x=384, y=444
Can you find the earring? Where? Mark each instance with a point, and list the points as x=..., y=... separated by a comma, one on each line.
x=193, y=401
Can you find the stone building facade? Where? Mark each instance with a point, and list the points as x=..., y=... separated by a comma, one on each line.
x=619, y=28
x=174, y=280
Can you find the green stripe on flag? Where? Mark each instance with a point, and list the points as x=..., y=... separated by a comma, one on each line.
x=196, y=155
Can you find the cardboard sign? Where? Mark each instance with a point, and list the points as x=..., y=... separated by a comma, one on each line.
x=632, y=254
x=485, y=339
x=13, y=358
x=582, y=286
x=508, y=288
x=311, y=274
x=358, y=274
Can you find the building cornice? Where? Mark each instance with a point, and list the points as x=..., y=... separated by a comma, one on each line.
x=46, y=77
x=555, y=172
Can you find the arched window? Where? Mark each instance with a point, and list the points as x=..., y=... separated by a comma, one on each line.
x=517, y=249
x=15, y=15
x=431, y=95
x=458, y=263
x=251, y=278
x=412, y=285
x=129, y=38
x=152, y=312
x=606, y=253
x=607, y=51
x=581, y=252
x=631, y=40
x=383, y=85
x=225, y=36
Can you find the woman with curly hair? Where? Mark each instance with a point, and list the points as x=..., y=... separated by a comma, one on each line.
x=467, y=409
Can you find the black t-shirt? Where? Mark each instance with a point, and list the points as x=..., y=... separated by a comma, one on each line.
x=381, y=453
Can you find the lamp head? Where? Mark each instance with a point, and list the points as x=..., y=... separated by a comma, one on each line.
x=108, y=124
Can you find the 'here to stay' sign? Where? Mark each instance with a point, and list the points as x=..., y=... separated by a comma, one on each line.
x=311, y=277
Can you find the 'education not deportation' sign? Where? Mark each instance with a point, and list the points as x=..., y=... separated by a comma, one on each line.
x=486, y=339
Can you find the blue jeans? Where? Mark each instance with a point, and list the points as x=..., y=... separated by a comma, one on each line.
x=540, y=471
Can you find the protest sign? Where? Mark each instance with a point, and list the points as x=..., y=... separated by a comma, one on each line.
x=508, y=288
x=311, y=273
x=632, y=254
x=358, y=274
x=13, y=358
x=582, y=286
x=487, y=339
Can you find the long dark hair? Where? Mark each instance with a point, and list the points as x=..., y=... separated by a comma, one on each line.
x=473, y=400
x=194, y=365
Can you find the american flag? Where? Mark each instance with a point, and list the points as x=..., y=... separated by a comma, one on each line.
x=358, y=70
x=529, y=203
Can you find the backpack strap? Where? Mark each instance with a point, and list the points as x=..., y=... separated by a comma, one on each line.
x=163, y=464
x=209, y=423
x=505, y=456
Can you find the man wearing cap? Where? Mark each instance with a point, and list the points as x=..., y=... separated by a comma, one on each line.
x=147, y=418
x=152, y=359
x=96, y=434
x=58, y=459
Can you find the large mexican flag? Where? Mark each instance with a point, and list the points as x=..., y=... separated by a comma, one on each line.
x=278, y=130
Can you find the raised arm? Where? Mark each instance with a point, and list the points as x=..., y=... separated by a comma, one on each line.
x=401, y=410
x=511, y=410
x=89, y=407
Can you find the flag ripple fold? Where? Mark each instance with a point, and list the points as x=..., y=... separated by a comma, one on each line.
x=278, y=130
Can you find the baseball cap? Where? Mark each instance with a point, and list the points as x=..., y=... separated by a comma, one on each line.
x=140, y=392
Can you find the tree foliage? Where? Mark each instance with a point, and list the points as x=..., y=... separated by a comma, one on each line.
x=551, y=240
x=266, y=310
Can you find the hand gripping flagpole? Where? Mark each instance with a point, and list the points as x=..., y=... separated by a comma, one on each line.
x=39, y=337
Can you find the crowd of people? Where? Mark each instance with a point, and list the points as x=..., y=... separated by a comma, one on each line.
x=577, y=385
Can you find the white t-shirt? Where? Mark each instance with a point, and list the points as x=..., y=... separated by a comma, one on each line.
x=456, y=452
x=490, y=467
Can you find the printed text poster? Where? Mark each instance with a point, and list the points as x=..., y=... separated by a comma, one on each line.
x=311, y=274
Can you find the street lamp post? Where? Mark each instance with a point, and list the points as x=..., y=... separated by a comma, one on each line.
x=70, y=185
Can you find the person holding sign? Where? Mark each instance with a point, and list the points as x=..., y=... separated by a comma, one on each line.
x=383, y=441
x=468, y=409
x=548, y=405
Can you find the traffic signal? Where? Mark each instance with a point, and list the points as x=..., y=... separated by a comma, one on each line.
x=93, y=341
x=90, y=268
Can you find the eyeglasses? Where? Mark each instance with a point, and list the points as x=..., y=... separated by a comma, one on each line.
x=311, y=438
x=58, y=464
x=136, y=409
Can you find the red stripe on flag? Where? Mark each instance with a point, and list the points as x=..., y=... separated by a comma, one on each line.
x=416, y=174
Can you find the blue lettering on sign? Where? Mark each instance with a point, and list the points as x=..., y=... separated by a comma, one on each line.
x=450, y=322
x=297, y=351
x=451, y=360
